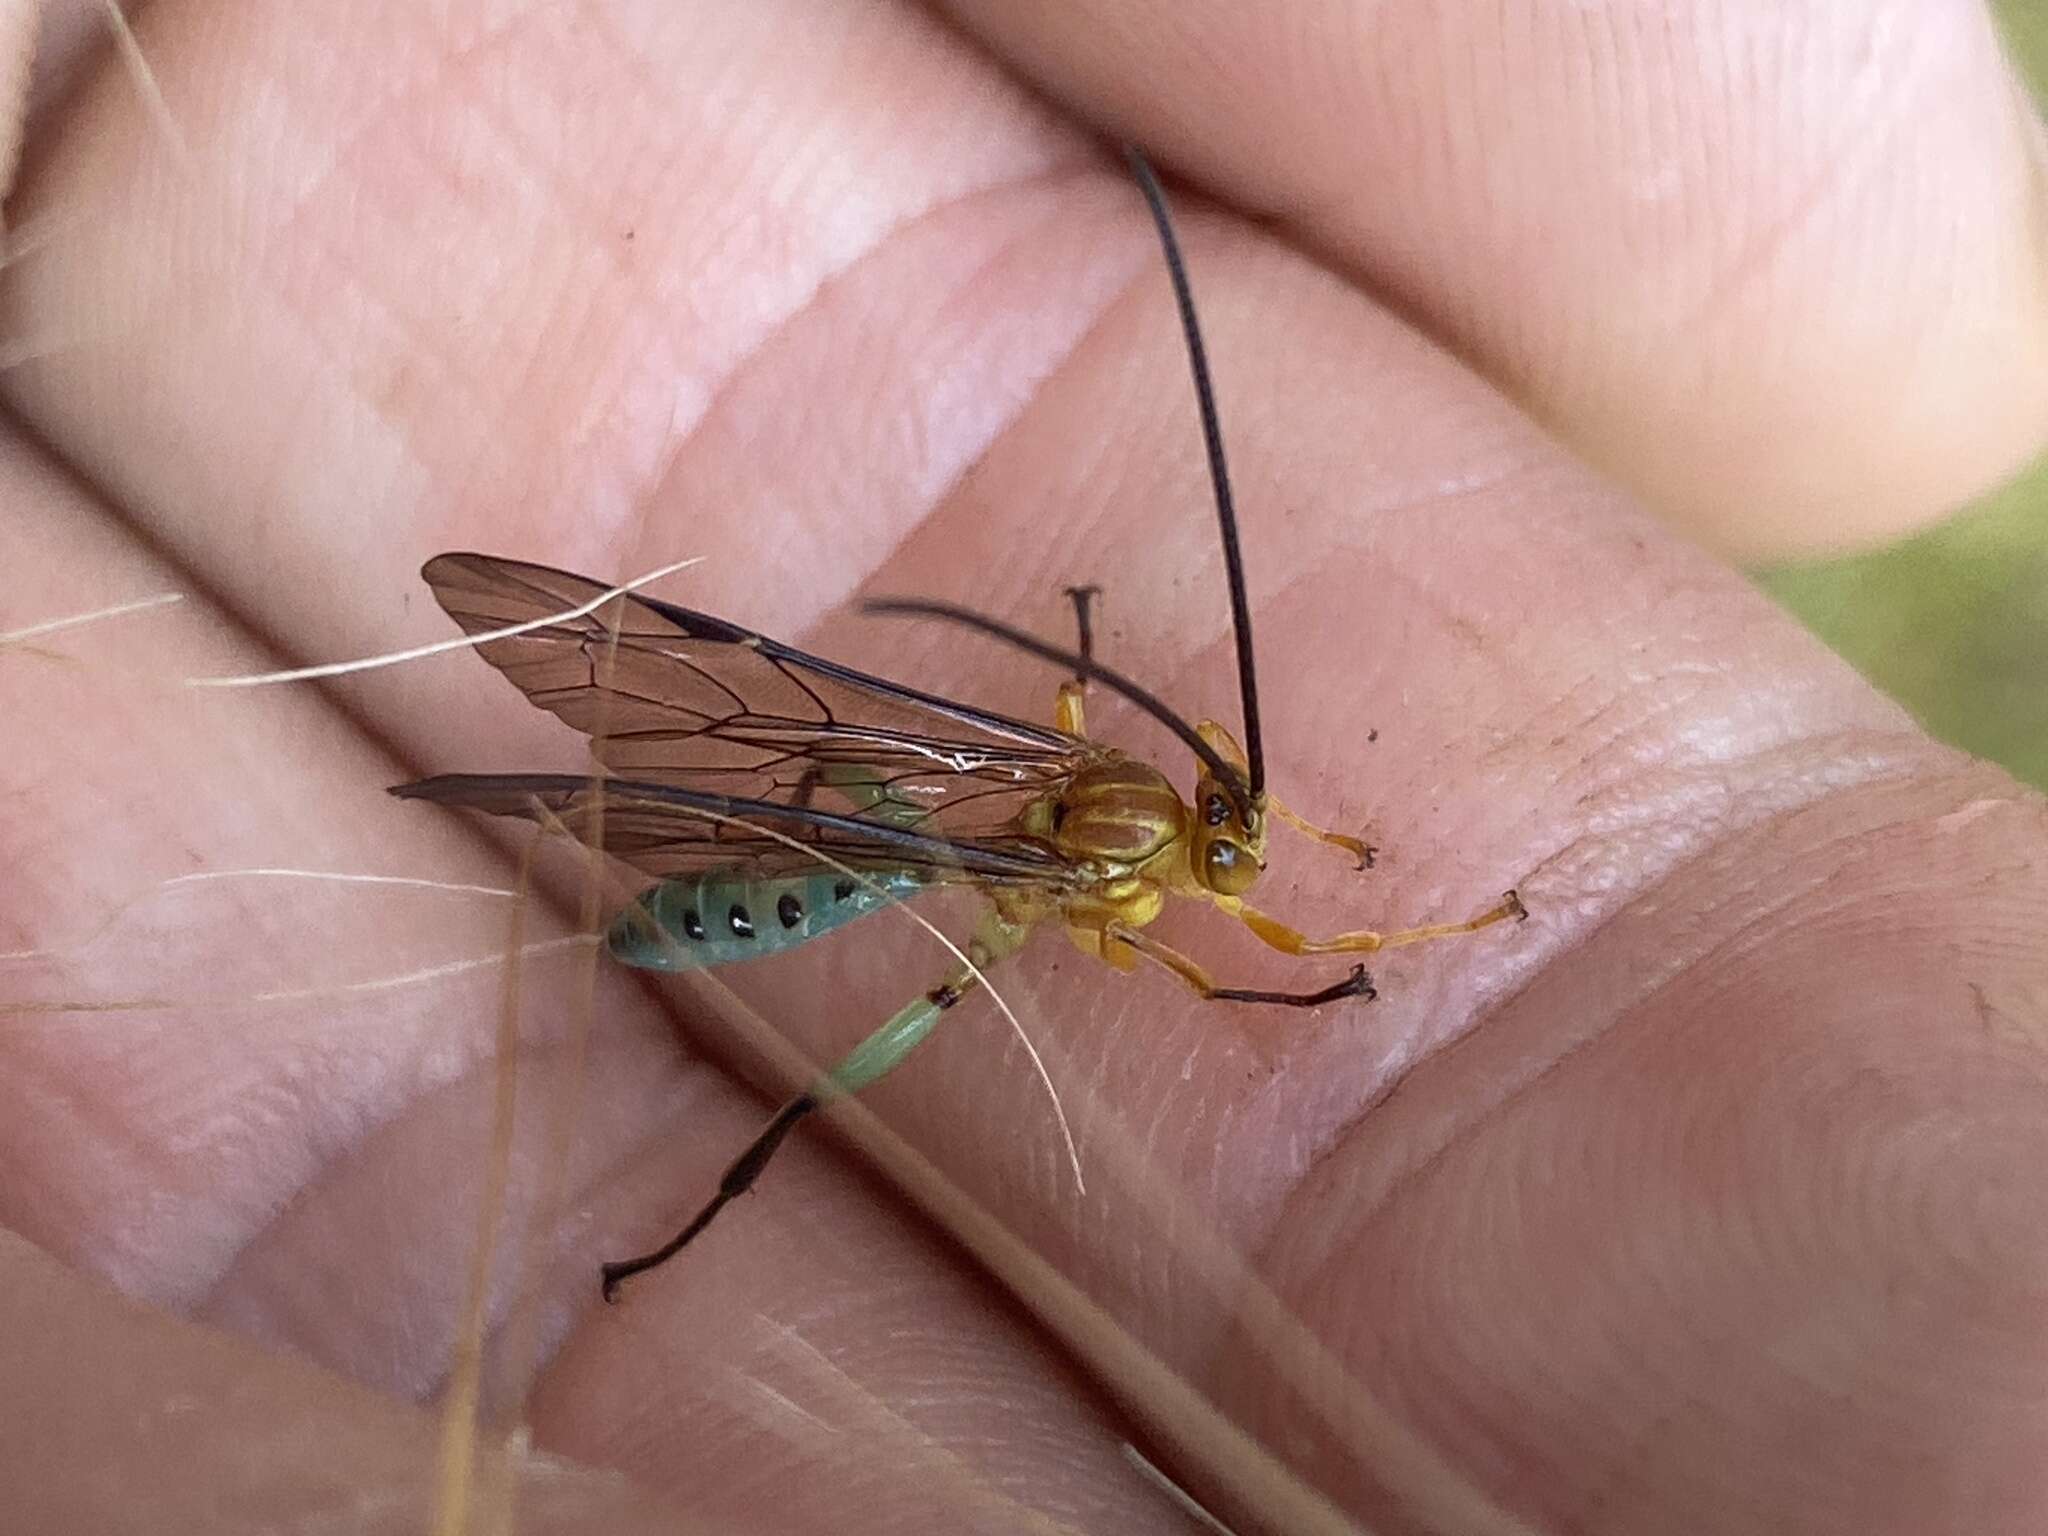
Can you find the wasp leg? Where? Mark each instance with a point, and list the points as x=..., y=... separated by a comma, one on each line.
x=1363, y=941
x=1084, y=621
x=1357, y=984
x=738, y=1179
x=1067, y=712
x=867, y=1062
x=860, y=785
x=1360, y=850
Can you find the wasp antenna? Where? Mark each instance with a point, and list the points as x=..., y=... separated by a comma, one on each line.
x=1219, y=471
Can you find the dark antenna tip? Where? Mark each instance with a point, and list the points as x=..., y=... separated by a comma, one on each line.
x=1219, y=472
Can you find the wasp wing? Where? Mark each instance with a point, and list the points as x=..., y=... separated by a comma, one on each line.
x=665, y=830
x=685, y=699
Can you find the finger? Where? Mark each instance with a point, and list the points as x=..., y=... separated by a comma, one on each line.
x=653, y=365
x=215, y=1435
x=1780, y=273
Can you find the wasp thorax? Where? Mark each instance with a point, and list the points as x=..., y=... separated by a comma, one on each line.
x=1122, y=811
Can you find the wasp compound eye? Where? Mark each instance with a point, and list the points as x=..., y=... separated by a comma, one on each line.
x=1227, y=869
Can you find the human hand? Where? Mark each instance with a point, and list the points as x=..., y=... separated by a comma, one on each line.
x=1703, y=1199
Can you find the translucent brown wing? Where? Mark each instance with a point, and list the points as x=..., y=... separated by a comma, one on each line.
x=693, y=702
x=665, y=830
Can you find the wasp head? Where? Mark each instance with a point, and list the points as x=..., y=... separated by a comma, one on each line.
x=1228, y=830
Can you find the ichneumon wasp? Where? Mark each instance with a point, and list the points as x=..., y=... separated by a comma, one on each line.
x=732, y=757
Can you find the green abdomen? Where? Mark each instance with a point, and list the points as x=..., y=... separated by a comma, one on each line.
x=686, y=925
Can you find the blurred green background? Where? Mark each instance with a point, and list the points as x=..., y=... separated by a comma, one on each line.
x=1954, y=623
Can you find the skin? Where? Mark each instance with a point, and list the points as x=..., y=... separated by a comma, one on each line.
x=1709, y=1197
